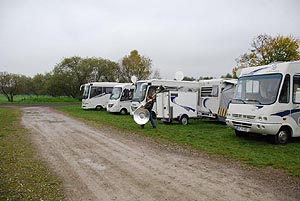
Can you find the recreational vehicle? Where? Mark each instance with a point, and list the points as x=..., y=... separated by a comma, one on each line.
x=120, y=99
x=96, y=94
x=215, y=96
x=267, y=102
x=210, y=98
x=143, y=88
x=178, y=104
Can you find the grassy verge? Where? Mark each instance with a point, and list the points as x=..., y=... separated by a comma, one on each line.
x=26, y=99
x=22, y=175
x=206, y=136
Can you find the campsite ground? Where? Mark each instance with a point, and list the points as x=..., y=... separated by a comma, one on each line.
x=105, y=164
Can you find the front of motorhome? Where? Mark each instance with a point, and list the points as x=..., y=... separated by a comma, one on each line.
x=96, y=94
x=267, y=102
x=120, y=99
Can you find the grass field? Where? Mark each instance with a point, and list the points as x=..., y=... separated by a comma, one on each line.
x=207, y=136
x=26, y=99
x=22, y=175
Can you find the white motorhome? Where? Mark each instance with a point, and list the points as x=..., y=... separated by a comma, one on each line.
x=215, y=95
x=96, y=94
x=267, y=102
x=178, y=104
x=120, y=99
x=145, y=87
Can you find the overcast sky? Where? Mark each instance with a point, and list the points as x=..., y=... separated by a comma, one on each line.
x=197, y=37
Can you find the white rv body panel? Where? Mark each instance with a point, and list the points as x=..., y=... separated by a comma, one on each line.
x=266, y=100
x=120, y=99
x=145, y=87
x=172, y=104
x=211, y=96
x=96, y=94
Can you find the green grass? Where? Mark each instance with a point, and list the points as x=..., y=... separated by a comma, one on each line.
x=22, y=175
x=26, y=99
x=207, y=136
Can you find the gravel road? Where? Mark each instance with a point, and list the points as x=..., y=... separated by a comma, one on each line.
x=108, y=165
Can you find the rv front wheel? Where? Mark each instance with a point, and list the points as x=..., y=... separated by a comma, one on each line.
x=184, y=120
x=99, y=107
x=123, y=111
x=281, y=137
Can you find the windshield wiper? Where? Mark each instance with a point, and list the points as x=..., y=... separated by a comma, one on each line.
x=240, y=100
x=254, y=100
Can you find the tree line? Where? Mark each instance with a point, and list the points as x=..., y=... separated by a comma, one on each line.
x=69, y=74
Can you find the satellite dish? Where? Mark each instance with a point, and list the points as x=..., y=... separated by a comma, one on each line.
x=179, y=76
x=133, y=79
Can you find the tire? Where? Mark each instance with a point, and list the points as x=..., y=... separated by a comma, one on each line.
x=282, y=137
x=99, y=107
x=123, y=111
x=184, y=120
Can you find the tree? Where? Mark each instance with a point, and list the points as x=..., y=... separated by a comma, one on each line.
x=135, y=64
x=71, y=73
x=12, y=84
x=266, y=49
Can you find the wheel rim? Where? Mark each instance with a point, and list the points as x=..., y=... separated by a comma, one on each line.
x=184, y=121
x=282, y=137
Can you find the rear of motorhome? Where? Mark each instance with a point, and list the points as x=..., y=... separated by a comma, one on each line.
x=267, y=102
x=96, y=94
x=215, y=96
x=120, y=99
x=179, y=104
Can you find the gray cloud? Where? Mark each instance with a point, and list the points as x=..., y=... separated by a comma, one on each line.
x=200, y=38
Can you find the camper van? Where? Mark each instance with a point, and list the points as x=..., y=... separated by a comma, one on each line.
x=143, y=88
x=267, y=102
x=215, y=95
x=120, y=99
x=178, y=104
x=96, y=94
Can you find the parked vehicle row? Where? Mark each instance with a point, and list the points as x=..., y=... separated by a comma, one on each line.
x=264, y=100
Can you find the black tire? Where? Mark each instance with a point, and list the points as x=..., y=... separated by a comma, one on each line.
x=123, y=111
x=184, y=120
x=282, y=137
x=99, y=107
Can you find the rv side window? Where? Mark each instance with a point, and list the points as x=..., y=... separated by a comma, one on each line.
x=296, y=88
x=107, y=90
x=126, y=95
x=96, y=91
x=285, y=91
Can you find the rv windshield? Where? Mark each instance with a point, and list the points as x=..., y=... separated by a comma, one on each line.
x=259, y=89
x=86, y=91
x=116, y=93
x=139, y=91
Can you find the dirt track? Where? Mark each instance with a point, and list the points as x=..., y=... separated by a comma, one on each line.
x=106, y=165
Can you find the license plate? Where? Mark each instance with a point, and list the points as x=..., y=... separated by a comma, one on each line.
x=243, y=129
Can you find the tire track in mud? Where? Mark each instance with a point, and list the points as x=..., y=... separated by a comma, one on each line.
x=98, y=165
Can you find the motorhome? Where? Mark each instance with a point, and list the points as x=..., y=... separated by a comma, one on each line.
x=96, y=94
x=120, y=99
x=178, y=104
x=208, y=99
x=267, y=102
x=143, y=88
x=215, y=95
